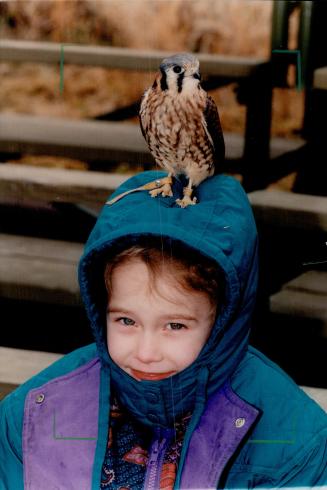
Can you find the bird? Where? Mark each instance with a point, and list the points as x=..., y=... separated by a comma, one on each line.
x=180, y=123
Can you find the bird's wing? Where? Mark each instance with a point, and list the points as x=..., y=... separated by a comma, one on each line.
x=140, y=114
x=213, y=129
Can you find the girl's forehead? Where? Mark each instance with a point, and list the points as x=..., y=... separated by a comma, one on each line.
x=135, y=274
x=133, y=278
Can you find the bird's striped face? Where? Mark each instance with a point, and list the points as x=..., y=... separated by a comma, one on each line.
x=180, y=74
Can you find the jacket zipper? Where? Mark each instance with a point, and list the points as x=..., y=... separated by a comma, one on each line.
x=154, y=464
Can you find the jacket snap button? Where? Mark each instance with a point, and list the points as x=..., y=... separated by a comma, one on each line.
x=40, y=398
x=239, y=422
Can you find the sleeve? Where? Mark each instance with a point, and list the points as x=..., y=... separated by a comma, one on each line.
x=309, y=468
x=11, y=461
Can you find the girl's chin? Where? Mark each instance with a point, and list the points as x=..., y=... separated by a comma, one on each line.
x=143, y=376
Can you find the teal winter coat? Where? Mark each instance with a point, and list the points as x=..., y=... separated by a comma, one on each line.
x=252, y=426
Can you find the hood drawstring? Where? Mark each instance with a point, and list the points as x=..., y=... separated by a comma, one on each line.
x=200, y=402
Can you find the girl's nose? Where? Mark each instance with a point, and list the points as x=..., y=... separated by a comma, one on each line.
x=148, y=348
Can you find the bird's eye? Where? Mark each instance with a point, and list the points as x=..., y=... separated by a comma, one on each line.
x=177, y=69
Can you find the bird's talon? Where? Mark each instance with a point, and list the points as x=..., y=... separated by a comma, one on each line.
x=165, y=190
x=186, y=201
x=154, y=192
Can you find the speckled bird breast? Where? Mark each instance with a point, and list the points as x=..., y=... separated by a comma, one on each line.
x=174, y=128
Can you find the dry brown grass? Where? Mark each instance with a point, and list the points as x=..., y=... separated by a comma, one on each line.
x=238, y=27
x=35, y=89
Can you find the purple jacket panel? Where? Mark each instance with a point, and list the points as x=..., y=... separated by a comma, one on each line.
x=60, y=431
x=225, y=422
x=61, y=427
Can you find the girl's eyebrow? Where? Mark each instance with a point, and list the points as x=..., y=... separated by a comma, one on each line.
x=179, y=316
x=118, y=309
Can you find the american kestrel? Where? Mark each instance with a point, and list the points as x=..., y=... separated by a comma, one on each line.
x=181, y=126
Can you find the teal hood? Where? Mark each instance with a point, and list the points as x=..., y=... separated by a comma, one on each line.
x=220, y=226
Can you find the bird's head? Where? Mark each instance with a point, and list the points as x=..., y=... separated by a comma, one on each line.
x=180, y=73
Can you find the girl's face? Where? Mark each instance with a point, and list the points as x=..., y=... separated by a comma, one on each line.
x=154, y=333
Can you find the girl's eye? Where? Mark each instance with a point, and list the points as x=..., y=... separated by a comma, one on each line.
x=126, y=321
x=176, y=326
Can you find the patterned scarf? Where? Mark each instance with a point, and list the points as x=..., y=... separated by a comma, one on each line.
x=127, y=453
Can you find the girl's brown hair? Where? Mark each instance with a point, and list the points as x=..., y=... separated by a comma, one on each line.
x=192, y=270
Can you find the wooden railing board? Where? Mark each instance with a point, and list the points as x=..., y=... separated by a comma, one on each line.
x=41, y=270
x=313, y=282
x=18, y=365
x=98, y=140
x=88, y=140
x=304, y=297
x=273, y=207
x=282, y=208
x=21, y=182
x=81, y=139
x=301, y=304
x=319, y=395
x=122, y=58
x=6, y=388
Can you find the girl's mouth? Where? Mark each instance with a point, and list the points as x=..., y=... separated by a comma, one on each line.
x=142, y=376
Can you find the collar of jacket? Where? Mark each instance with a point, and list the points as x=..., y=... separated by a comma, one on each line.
x=54, y=427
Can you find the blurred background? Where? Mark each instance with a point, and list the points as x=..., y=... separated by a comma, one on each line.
x=72, y=75
x=228, y=27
